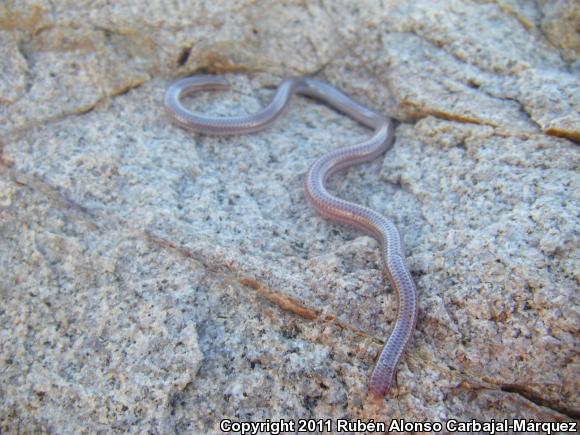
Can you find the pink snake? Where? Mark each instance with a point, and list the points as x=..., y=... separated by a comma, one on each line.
x=326, y=204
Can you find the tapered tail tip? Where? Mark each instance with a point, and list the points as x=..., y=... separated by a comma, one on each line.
x=380, y=382
x=378, y=389
x=377, y=396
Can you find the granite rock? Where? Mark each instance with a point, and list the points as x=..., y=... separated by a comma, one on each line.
x=158, y=280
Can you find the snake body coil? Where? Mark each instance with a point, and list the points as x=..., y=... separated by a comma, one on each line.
x=326, y=204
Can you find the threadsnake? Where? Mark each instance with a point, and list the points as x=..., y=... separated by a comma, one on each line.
x=328, y=205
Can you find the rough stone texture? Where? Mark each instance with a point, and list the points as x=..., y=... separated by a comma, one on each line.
x=160, y=281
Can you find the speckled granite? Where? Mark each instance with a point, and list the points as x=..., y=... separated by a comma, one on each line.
x=156, y=280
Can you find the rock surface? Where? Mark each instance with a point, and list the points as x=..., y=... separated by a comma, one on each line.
x=157, y=280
